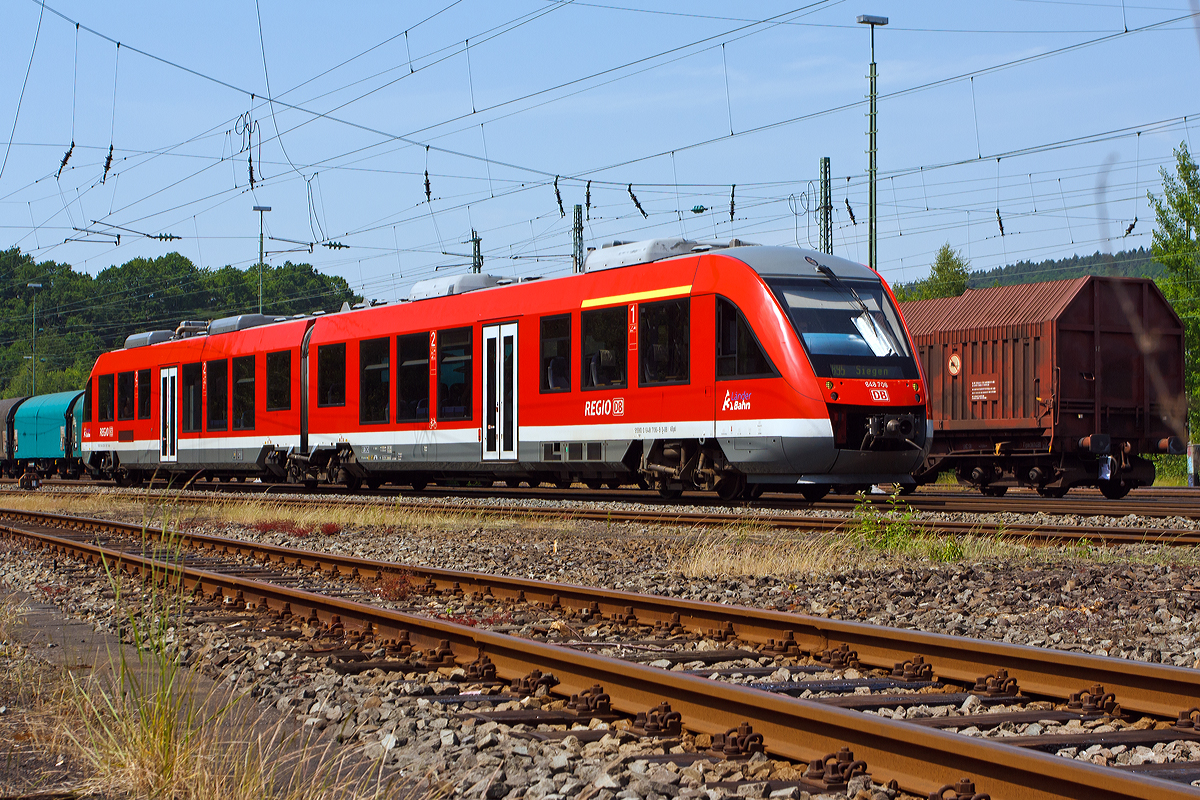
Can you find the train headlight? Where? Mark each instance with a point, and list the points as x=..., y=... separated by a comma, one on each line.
x=828, y=384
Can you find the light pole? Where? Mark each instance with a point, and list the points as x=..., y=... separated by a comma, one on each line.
x=33, y=347
x=872, y=227
x=260, y=210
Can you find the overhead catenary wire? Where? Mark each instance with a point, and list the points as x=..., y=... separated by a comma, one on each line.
x=21, y=97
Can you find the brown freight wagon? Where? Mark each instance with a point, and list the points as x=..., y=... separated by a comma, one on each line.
x=1052, y=385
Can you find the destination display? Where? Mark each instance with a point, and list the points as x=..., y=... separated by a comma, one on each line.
x=865, y=371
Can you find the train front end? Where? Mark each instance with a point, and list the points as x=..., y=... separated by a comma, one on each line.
x=856, y=368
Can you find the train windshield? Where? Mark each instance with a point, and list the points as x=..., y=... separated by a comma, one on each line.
x=849, y=328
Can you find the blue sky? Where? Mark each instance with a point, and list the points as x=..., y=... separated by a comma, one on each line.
x=1058, y=114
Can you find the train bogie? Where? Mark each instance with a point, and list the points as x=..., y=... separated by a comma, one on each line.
x=718, y=368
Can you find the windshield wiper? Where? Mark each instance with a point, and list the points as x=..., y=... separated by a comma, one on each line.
x=884, y=338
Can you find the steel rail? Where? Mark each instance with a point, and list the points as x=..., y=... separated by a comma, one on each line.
x=1155, y=689
x=920, y=760
x=1147, y=502
x=1029, y=534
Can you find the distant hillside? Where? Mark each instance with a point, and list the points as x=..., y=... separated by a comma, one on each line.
x=1129, y=263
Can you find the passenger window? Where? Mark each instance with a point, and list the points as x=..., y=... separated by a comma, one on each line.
x=375, y=389
x=454, y=374
x=143, y=393
x=556, y=354
x=190, y=392
x=125, y=399
x=331, y=375
x=218, y=394
x=104, y=399
x=279, y=381
x=605, y=337
x=243, y=393
x=664, y=342
x=87, y=401
x=412, y=378
x=739, y=355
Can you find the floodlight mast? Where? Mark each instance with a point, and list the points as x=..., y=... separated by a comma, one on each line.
x=872, y=225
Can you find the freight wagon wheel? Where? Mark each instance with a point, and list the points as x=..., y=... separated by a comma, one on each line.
x=565, y=483
x=1114, y=490
x=670, y=493
x=418, y=486
x=1052, y=491
x=595, y=486
x=374, y=483
x=512, y=483
x=993, y=491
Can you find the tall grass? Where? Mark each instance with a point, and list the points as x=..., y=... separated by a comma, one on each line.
x=152, y=728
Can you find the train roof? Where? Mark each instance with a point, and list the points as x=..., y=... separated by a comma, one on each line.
x=768, y=261
x=997, y=306
x=764, y=259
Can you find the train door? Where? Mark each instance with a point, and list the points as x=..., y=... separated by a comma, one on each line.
x=168, y=452
x=500, y=392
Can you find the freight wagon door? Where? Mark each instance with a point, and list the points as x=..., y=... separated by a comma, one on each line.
x=499, y=432
x=168, y=452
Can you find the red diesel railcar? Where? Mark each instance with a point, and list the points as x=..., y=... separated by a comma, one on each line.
x=668, y=363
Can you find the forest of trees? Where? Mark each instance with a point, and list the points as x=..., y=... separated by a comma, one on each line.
x=1138, y=263
x=79, y=316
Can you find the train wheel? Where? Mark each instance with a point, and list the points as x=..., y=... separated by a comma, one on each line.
x=512, y=483
x=613, y=484
x=418, y=486
x=753, y=491
x=565, y=483
x=731, y=487
x=1114, y=490
x=374, y=483
x=993, y=491
x=812, y=492
x=595, y=486
x=1052, y=491
x=669, y=492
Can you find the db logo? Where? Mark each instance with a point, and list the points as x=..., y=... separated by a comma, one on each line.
x=618, y=407
x=880, y=395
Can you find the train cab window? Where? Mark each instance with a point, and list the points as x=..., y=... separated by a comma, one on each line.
x=279, y=381
x=331, y=375
x=412, y=378
x=218, y=394
x=105, y=406
x=556, y=354
x=243, y=393
x=664, y=342
x=143, y=394
x=374, y=377
x=125, y=399
x=739, y=355
x=87, y=401
x=190, y=392
x=454, y=374
x=604, y=334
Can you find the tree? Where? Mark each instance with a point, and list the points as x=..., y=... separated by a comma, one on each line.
x=947, y=278
x=1176, y=215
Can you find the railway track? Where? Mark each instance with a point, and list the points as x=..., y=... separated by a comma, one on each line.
x=1148, y=502
x=1049, y=534
x=919, y=757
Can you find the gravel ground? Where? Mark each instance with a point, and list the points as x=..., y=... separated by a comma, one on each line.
x=1130, y=602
